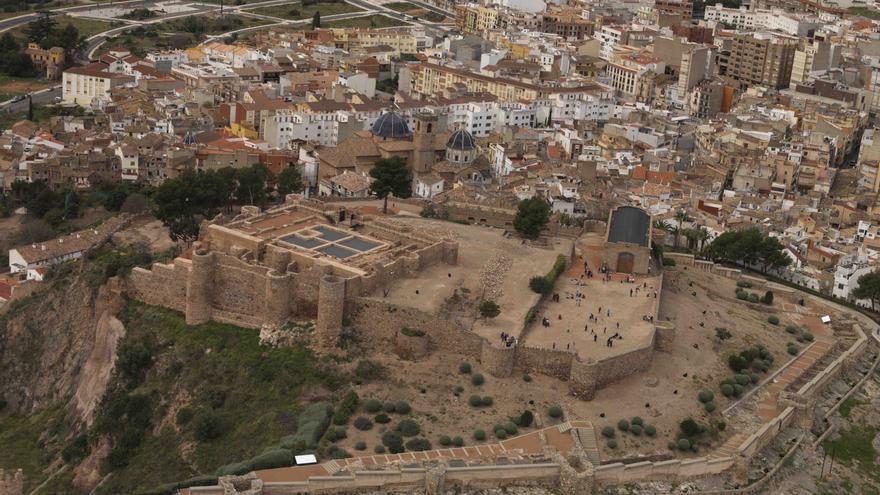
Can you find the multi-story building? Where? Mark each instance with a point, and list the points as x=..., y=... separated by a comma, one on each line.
x=684, y=8
x=567, y=23
x=814, y=55
x=759, y=58
x=763, y=19
x=90, y=83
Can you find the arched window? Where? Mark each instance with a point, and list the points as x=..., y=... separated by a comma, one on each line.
x=429, y=128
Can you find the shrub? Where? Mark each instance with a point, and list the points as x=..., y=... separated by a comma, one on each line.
x=388, y=407
x=382, y=419
x=510, y=428
x=527, y=378
x=184, y=416
x=684, y=444
x=77, y=450
x=650, y=430
x=457, y=441
x=791, y=329
x=608, y=432
x=754, y=377
x=477, y=379
x=808, y=336
x=412, y=332
x=635, y=430
x=363, y=424
x=744, y=284
x=207, y=427
x=372, y=406
x=721, y=425
x=393, y=441
x=464, y=368
x=742, y=379
x=736, y=363
x=668, y=261
x=727, y=390
x=768, y=297
x=623, y=425
x=360, y=445
x=540, y=285
x=475, y=401
x=671, y=445
x=637, y=420
x=479, y=435
x=773, y=320
x=737, y=390
x=792, y=349
x=690, y=427
x=418, y=444
x=500, y=434
x=709, y=406
x=526, y=419
x=742, y=296
x=612, y=444
x=272, y=459
x=705, y=396
x=445, y=441
x=235, y=469
x=489, y=309
x=402, y=407
x=379, y=449
x=340, y=432
x=367, y=370
x=346, y=408
x=722, y=333
x=554, y=412
x=487, y=401
x=408, y=428
x=311, y=424
x=753, y=298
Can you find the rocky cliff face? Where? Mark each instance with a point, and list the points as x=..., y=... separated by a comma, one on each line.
x=59, y=345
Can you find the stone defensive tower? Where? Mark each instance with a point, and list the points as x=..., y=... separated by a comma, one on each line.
x=200, y=287
x=331, y=303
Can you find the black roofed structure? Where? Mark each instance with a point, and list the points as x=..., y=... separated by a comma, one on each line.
x=390, y=126
x=628, y=240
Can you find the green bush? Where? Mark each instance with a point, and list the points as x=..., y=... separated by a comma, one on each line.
x=372, y=406
x=464, y=368
x=77, y=450
x=684, y=444
x=727, y=390
x=479, y=435
x=363, y=424
x=611, y=443
x=367, y=370
x=742, y=379
x=412, y=332
x=722, y=333
x=744, y=284
x=445, y=441
x=768, y=298
x=709, y=406
x=457, y=441
x=340, y=432
x=418, y=444
x=668, y=261
x=402, y=407
x=540, y=285
x=477, y=379
x=526, y=378
x=608, y=432
x=510, y=428
x=754, y=377
x=773, y=320
x=791, y=329
x=793, y=349
x=500, y=434
x=554, y=412
x=635, y=430
x=808, y=336
x=379, y=449
x=393, y=441
x=489, y=309
x=721, y=425
x=671, y=445
x=475, y=401
x=487, y=401
x=184, y=416
x=272, y=459
x=650, y=430
x=637, y=420
x=207, y=426
x=388, y=407
x=346, y=408
x=234, y=469
x=690, y=427
x=737, y=390
x=742, y=296
x=360, y=445
x=753, y=298
x=311, y=424
x=382, y=419
x=408, y=428
x=526, y=419
x=623, y=425
x=705, y=396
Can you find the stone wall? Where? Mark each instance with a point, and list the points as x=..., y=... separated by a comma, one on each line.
x=411, y=347
x=164, y=285
x=544, y=361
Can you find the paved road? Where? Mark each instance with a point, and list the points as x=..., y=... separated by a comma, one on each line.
x=42, y=97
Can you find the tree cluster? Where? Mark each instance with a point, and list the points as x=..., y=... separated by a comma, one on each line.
x=869, y=288
x=46, y=32
x=749, y=247
x=531, y=216
x=13, y=61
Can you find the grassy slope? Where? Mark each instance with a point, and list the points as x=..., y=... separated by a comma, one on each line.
x=259, y=387
x=378, y=21
x=400, y=6
x=868, y=12
x=308, y=11
x=22, y=447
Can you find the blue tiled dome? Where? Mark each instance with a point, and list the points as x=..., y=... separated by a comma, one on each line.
x=391, y=125
x=461, y=140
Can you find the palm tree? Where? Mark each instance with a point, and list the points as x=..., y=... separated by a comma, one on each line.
x=702, y=237
x=681, y=216
x=664, y=226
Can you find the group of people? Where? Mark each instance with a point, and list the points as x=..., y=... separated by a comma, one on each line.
x=508, y=340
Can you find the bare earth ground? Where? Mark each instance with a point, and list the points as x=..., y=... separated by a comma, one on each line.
x=664, y=395
x=145, y=231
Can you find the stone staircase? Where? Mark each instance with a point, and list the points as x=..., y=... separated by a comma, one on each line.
x=587, y=438
x=729, y=447
x=332, y=467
